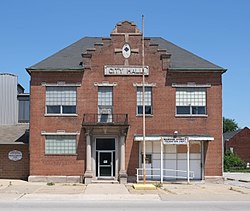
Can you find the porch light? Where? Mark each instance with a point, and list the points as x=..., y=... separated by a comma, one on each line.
x=175, y=133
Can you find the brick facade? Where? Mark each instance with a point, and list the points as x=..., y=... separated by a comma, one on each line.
x=240, y=144
x=14, y=169
x=163, y=120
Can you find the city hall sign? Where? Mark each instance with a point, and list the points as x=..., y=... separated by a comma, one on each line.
x=125, y=70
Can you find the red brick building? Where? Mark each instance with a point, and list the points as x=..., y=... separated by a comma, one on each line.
x=239, y=143
x=14, y=129
x=86, y=111
x=14, y=151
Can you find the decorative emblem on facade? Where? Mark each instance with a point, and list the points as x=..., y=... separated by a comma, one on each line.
x=126, y=51
x=15, y=155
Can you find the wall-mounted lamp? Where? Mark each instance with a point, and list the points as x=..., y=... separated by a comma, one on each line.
x=175, y=133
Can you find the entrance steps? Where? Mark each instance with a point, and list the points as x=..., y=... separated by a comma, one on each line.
x=104, y=181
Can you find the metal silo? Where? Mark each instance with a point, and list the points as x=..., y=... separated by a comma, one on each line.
x=8, y=99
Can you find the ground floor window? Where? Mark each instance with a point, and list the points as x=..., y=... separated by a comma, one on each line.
x=174, y=161
x=60, y=144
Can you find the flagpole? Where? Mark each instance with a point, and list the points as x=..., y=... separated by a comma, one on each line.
x=143, y=106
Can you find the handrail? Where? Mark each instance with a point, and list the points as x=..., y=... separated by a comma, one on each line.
x=105, y=119
x=152, y=170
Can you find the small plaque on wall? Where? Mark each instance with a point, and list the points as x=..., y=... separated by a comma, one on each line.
x=15, y=155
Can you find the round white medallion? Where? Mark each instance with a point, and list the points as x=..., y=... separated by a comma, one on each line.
x=15, y=155
x=126, y=51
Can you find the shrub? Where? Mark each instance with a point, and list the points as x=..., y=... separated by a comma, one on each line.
x=158, y=185
x=232, y=161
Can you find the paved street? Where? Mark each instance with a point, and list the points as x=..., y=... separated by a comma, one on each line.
x=125, y=205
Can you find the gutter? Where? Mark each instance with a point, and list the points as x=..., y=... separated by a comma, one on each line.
x=222, y=70
x=29, y=70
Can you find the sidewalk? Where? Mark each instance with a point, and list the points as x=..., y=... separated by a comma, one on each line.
x=241, y=177
x=21, y=190
x=18, y=190
x=206, y=192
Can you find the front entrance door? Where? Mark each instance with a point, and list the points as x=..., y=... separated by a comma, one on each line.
x=105, y=164
x=105, y=158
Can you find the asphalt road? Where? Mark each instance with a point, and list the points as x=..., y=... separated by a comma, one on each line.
x=124, y=205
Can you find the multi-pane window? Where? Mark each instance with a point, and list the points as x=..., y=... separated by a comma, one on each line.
x=60, y=100
x=60, y=144
x=105, y=103
x=190, y=101
x=147, y=100
x=23, y=110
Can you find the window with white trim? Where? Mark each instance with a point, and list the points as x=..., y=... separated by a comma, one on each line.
x=60, y=100
x=147, y=100
x=60, y=144
x=191, y=101
x=105, y=103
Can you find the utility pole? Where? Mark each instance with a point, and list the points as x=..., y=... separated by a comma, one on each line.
x=143, y=106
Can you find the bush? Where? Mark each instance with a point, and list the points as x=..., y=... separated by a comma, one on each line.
x=233, y=162
x=158, y=185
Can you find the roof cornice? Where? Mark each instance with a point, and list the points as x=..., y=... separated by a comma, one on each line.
x=197, y=70
x=29, y=70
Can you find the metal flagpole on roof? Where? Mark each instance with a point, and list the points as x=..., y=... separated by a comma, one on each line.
x=143, y=106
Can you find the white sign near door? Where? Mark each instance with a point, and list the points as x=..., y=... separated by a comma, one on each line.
x=178, y=140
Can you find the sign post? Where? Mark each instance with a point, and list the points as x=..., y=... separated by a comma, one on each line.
x=188, y=163
x=161, y=161
x=143, y=107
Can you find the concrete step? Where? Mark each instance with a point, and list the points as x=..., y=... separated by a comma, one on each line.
x=144, y=187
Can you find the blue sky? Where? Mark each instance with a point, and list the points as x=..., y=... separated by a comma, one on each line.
x=217, y=30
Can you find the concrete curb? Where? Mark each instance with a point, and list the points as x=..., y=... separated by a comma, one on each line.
x=237, y=176
x=239, y=180
x=90, y=197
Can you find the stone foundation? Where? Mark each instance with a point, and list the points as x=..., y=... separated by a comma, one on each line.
x=56, y=179
x=214, y=179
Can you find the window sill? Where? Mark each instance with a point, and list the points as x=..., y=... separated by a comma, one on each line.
x=60, y=115
x=191, y=116
x=147, y=115
x=60, y=154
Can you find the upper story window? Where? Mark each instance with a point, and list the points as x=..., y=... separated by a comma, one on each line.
x=60, y=100
x=23, y=107
x=147, y=100
x=191, y=101
x=105, y=103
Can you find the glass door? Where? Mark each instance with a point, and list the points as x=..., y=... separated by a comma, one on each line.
x=105, y=162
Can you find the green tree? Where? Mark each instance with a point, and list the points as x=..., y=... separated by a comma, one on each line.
x=229, y=125
x=232, y=161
